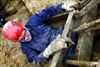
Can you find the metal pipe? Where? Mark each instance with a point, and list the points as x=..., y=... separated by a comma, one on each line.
x=79, y=62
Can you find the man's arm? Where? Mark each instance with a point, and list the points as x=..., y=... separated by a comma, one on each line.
x=45, y=14
x=51, y=11
x=33, y=56
x=40, y=58
x=68, y=6
x=36, y=21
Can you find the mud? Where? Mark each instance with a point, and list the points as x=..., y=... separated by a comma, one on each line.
x=10, y=53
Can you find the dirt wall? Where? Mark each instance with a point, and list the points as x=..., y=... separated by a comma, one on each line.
x=10, y=53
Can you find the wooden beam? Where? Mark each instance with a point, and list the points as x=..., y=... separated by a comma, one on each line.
x=94, y=25
x=86, y=63
x=65, y=32
x=85, y=40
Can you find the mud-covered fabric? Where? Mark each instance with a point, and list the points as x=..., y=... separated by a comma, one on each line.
x=42, y=35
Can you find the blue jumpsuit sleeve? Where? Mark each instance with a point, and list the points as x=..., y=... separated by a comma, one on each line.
x=33, y=56
x=50, y=11
x=39, y=18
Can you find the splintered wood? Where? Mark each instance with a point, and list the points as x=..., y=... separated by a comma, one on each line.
x=94, y=25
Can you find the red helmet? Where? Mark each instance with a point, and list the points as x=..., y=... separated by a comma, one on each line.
x=12, y=30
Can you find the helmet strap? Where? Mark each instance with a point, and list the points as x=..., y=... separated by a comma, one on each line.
x=26, y=28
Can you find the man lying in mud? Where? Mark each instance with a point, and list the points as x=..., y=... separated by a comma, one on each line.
x=38, y=41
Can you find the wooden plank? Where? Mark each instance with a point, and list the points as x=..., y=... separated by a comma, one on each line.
x=56, y=56
x=85, y=40
x=57, y=18
x=94, y=25
x=86, y=63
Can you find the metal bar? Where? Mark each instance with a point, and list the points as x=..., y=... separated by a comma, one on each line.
x=85, y=40
x=94, y=25
x=88, y=7
x=64, y=35
x=79, y=62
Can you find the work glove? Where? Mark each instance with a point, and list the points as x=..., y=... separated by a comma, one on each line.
x=70, y=5
x=58, y=44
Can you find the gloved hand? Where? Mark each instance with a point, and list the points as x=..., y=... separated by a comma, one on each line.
x=70, y=5
x=56, y=45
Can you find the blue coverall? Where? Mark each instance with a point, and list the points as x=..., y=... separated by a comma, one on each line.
x=42, y=34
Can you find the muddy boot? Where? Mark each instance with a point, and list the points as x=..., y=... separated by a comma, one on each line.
x=8, y=11
x=2, y=21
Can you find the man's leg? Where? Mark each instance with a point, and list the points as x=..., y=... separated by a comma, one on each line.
x=2, y=21
x=6, y=11
x=2, y=4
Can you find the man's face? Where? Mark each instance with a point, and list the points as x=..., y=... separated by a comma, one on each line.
x=26, y=36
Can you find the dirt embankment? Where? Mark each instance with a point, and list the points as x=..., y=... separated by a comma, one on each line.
x=10, y=53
